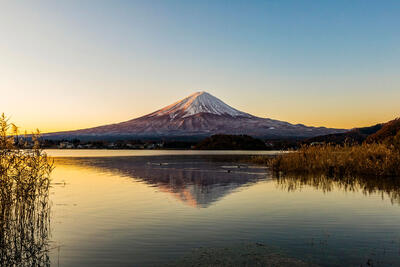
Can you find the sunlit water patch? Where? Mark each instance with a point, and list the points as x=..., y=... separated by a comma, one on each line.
x=155, y=210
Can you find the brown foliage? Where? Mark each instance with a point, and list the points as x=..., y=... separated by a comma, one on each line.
x=334, y=160
x=386, y=134
x=24, y=208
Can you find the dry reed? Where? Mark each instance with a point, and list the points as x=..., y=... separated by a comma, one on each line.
x=24, y=206
x=378, y=160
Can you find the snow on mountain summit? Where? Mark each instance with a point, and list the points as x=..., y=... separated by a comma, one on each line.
x=199, y=102
x=199, y=114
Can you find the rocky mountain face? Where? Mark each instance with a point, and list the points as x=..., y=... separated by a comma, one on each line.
x=200, y=114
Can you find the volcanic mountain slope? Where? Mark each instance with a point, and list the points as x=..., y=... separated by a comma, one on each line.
x=200, y=114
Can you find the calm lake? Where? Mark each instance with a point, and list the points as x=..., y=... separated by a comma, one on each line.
x=150, y=208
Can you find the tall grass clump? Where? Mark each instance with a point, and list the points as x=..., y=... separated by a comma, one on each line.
x=376, y=159
x=24, y=205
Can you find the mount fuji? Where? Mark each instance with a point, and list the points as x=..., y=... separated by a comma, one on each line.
x=198, y=115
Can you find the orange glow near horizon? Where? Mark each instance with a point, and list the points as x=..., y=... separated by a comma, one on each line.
x=68, y=65
x=343, y=119
x=69, y=125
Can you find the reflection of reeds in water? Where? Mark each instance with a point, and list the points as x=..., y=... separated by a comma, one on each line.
x=389, y=187
x=24, y=205
x=370, y=168
x=24, y=232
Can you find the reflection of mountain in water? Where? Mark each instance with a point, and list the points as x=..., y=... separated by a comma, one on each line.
x=196, y=180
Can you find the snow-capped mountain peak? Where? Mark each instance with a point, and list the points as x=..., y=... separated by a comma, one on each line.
x=199, y=102
x=199, y=114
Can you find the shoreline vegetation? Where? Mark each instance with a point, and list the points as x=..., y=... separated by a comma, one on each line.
x=213, y=142
x=377, y=156
x=375, y=159
x=24, y=205
x=370, y=134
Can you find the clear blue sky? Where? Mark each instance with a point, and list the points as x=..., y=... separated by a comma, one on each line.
x=73, y=64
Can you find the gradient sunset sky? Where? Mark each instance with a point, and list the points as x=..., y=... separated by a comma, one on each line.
x=67, y=65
